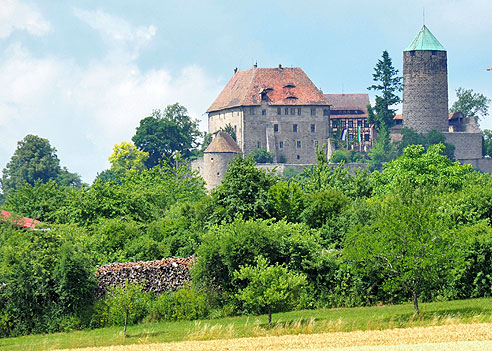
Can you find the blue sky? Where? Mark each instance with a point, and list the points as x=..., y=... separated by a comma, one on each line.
x=83, y=73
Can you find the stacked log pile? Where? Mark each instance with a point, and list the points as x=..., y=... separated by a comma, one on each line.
x=157, y=276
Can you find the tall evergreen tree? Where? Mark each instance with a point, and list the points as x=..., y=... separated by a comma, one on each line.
x=388, y=84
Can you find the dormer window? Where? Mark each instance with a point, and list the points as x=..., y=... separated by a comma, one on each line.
x=290, y=85
x=292, y=97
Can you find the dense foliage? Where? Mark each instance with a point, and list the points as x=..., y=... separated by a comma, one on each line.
x=418, y=229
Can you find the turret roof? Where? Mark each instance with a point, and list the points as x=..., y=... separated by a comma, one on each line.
x=425, y=40
x=223, y=142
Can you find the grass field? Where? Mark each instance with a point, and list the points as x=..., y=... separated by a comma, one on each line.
x=309, y=322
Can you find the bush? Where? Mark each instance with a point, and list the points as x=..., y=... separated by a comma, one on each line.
x=262, y=156
x=184, y=304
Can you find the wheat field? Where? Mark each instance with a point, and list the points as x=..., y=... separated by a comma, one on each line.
x=471, y=337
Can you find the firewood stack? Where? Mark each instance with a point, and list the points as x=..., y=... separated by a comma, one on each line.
x=157, y=276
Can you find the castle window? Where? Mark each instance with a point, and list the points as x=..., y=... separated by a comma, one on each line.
x=251, y=110
x=299, y=111
x=366, y=137
x=326, y=112
x=263, y=112
x=294, y=128
x=315, y=143
x=313, y=128
x=434, y=52
x=218, y=173
x=286, y=111
x=359, y=123
x=258, y=144
x=292, y=111
x=351, y=137
x=298, y=157
x=281, y=145
x=366, y=124
x=298, y=144
x=279, y=111
x=351, y=124
x=412, y=53
x=343, y=123
x=275, y=127
x=334, y=124
x=313, y=111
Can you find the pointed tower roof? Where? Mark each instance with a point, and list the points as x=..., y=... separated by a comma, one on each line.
x=223, y=142
x=425, y=40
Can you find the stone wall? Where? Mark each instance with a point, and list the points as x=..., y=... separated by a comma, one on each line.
x=281, y=167
x=467, y=145
x=234, y=116
x=482, y=164
x=425, y=92
x=215, y=165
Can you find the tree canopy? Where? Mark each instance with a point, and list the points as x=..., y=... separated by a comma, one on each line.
x=166, y=132
x=35, y=160
x=471, y=104
x=388, y=85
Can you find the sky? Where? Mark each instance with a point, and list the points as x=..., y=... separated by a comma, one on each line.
x=83, y=73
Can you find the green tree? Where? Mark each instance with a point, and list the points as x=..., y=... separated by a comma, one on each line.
x=244, y=191
x=261, y=155
x=270, y=288
x=166, y=132
x=382, y=150
x=411, y=137
x=411, y=245
x=288, y=200
x=471, y=104
x=487, y=142
x=33, y=160
x=389, y=85
x=126, y=157
x=128, y=302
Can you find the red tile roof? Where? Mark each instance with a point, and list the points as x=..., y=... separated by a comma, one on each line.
x=223, y=142
x=23, y=222
x=348, y=102
x=282, y=86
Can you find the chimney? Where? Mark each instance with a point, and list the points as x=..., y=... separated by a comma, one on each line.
x=256, y=64
x=235, y=70
x=279, y=66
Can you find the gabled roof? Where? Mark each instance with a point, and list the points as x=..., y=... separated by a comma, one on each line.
x=223, y=142
x=425, y=40
x=24, y=222
x=281, y=86
x=348, y=102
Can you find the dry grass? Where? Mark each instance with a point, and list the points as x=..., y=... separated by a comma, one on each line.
x=447, y=337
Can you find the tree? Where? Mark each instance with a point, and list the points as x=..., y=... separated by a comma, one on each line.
x=244, y=191
x=33, y=160
x=382, y=150
x=411, y=137
x=471, y=104
x=126, y=157
x=261, y=155
x=127, y=300
x=410, y=245
x=270, y=288
x=166, y=132
x=389, y=84
x=487, y=142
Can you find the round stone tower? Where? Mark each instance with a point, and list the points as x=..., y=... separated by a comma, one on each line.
x=222, y=150
x=425, y=84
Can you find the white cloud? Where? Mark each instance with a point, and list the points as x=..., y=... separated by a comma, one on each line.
x=117, y=33
x=16, y=15
x=85, y=110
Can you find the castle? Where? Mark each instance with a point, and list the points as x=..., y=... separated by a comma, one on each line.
x=281, y=110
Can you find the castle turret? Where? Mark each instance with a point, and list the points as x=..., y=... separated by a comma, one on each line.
x=222, y=150
x=425, y=84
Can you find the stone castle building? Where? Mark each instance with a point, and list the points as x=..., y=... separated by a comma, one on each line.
x=281, y=110
x=425, y=99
